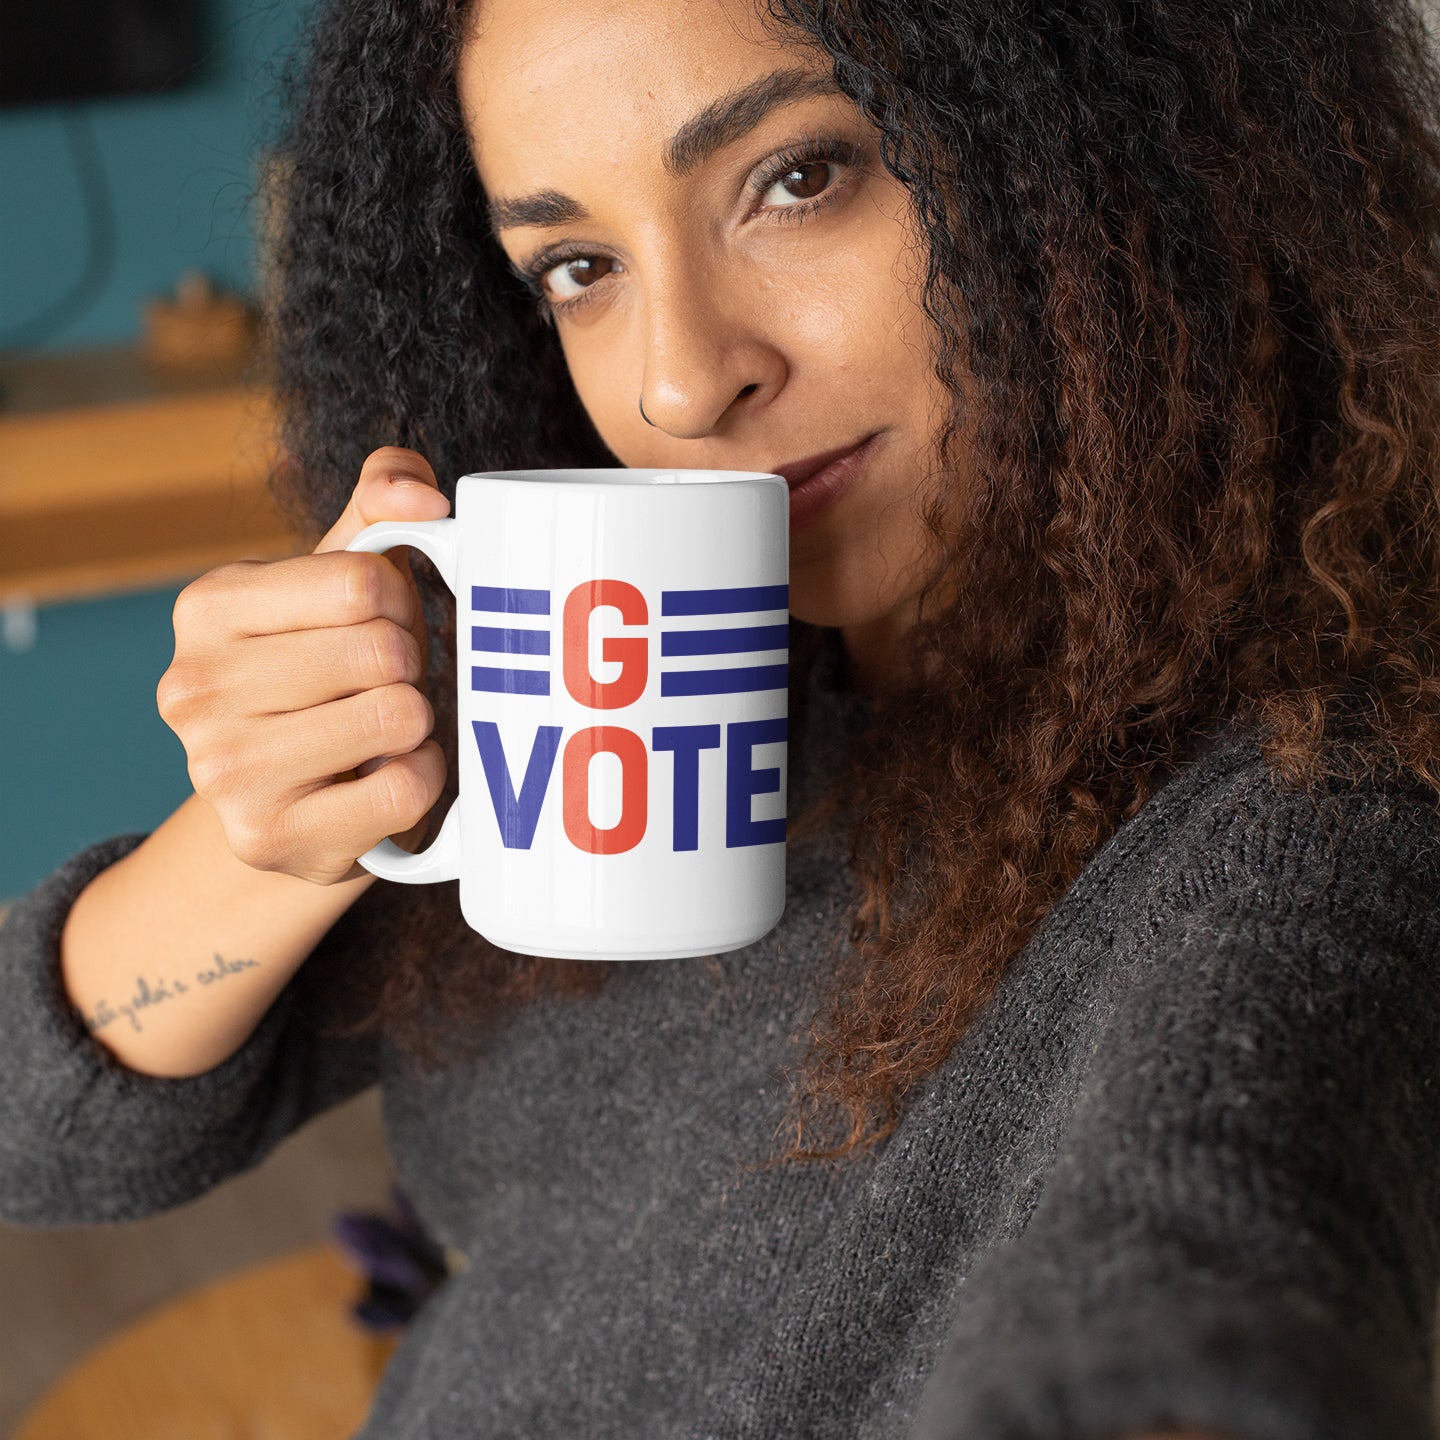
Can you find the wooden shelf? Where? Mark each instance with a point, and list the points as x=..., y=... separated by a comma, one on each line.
x=114, y=477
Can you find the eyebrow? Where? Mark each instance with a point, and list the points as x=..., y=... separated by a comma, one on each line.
x=719, y=124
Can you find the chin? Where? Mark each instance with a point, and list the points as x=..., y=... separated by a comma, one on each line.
x=814, y=609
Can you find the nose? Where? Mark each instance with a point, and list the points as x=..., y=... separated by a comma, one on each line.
x=706, y=353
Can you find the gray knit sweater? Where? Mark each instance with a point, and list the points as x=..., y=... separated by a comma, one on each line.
x=1185, y=1169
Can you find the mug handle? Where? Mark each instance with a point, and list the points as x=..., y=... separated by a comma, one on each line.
x=440, y=540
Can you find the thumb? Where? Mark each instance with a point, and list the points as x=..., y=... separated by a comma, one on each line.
x=394, y=484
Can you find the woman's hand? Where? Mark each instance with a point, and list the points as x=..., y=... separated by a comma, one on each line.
x=293, y=680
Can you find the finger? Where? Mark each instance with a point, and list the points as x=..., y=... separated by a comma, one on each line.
x=275, y=597
x=305, y=749
x=299, y=670
x=354, y=815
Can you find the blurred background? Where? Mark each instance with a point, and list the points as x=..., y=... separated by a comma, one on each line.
x=132, y=150
x=135, y=434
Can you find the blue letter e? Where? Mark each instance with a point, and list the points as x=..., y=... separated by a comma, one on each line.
x=742, y=782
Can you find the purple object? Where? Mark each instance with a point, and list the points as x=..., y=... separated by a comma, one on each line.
x=402, y=1262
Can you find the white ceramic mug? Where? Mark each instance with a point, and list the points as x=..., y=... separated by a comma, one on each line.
x=622, y=709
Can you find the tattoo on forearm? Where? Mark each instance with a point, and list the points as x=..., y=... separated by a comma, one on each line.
x=162, y=990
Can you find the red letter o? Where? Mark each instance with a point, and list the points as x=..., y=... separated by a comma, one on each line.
x=629, y=830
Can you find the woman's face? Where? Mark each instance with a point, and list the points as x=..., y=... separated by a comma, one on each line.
x=750, y=270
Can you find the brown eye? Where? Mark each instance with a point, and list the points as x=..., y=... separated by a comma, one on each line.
x=808, y=176
x=802, y=182
x=579, y=270
x=804, y=188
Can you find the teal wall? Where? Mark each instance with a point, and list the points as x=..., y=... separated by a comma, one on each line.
x=83, y=753
x=180, y=169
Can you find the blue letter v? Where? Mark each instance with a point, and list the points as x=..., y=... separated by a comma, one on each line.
x=517, y=817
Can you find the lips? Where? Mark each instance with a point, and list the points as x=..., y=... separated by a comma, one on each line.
x=795, y=471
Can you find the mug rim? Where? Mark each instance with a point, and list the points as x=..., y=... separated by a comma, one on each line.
x=575, y=475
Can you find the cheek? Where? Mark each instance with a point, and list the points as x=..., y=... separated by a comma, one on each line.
x=881, y=319
x=845, y=307
x=601, y=383
x=895, y=261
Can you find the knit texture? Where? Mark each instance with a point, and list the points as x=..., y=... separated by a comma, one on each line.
x=1184, y=1169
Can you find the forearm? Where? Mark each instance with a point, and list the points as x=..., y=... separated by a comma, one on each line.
x=173, y=954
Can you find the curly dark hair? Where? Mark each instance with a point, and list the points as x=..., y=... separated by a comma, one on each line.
x=1182, y=263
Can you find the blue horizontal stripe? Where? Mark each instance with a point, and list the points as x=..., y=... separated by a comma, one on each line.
x=731, y=681
x=510, y=682
x=509, y=601
x=746, y=638
x=511, y=642
x=722, y=602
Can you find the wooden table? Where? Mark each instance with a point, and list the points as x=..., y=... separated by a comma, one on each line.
x=116, y=476
x=270, y=1351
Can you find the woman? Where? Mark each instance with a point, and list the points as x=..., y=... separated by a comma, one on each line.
x=1115, y=655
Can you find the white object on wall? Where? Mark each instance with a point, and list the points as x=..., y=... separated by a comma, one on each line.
x=18, y=626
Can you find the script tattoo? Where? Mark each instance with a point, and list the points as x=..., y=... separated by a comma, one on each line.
x=159, y=993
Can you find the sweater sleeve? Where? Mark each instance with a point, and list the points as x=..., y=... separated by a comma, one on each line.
x=1242, y=1230
x=85, y=1139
